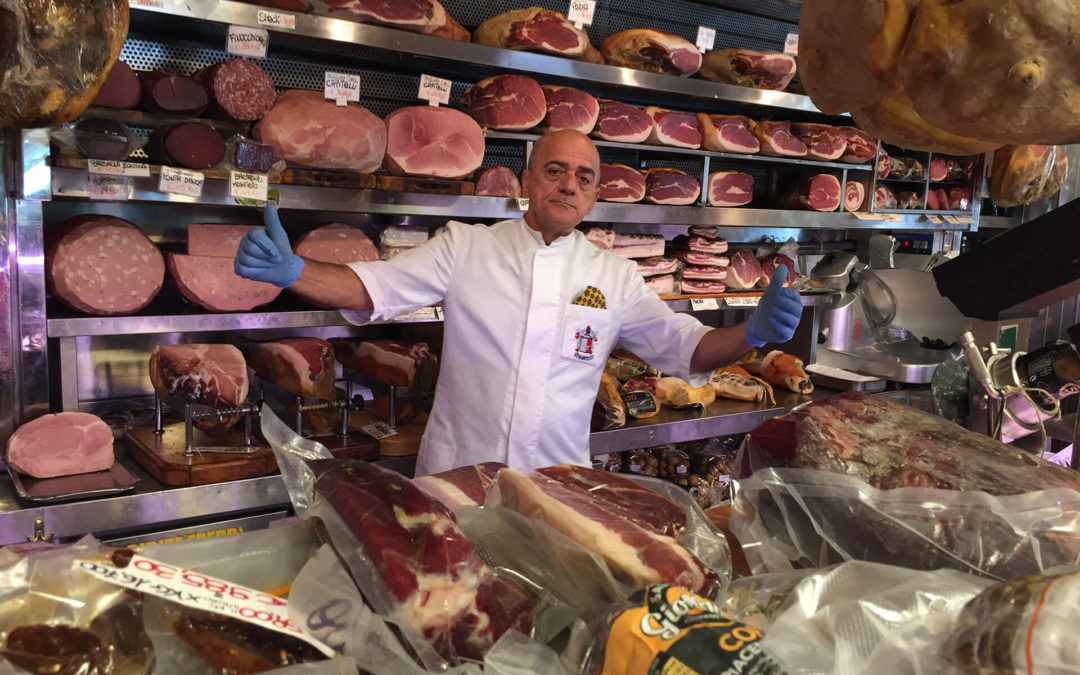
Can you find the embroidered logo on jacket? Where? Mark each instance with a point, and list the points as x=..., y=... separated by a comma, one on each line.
x=585, y=341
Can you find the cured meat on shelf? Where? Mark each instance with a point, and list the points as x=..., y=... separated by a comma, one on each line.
x=749, y=68
x=54, y=57
x=671, y=187
x=653, y=51
x=419, y=16
x=533, y=28
x=61, y=444
x=769, y=265
x=939, y=170
x=884, y=198
x=937, y=199
x=702, y=259
x=433, y=142
x=727, y=133
x=210, y=282
x=635, y=554
x=703, y=287
x=700, y=244
x=622, y=123
x=673, y=128
x=823, y=142
x=639, y=245
x=645, y=382
x=218, y=240
x=730, y=188
x=103, y=265
x=651, y=267
x=677, y=393
x=251, y=156
x=744, y=271
x=569, y=108
x=854, y=196
x=193, y=145
x=861, y=146
x=706, y=231
x=431, y=573
x=960, y=199
x=463, y=486
x=777, y=140
x=601, y=237
x=609, y=410
x=662, y=285
x=736, y=383
x=303, y=366
x=121, y=88
x=100, y=138
x=239, y=89
x=229, y=645
x=884, y=166
x=208, y=374
x=620, y=183
x=393, y=362
x=506, y=102
x=497, y=181
x=704, y=273
x=308, y=130
x=626, y=365
x=333, y=243
x=168, y=91
x=1023, y=174
x=818, y=193
x=909, y=200
x=780, y=369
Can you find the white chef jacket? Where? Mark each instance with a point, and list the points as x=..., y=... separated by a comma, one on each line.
x=521, y=364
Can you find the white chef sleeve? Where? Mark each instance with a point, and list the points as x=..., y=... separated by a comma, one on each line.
x=665, y=339
x=413, y=279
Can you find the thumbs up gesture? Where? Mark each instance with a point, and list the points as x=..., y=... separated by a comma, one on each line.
x=777, y=315
x=266, y=255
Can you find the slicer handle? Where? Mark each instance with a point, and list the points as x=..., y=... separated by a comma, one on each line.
x=976, y=364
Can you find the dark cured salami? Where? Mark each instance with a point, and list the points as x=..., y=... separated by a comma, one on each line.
x=167, y=91
x=192, y=145
x=238, y=89
x=103, y=265
x=121, y=88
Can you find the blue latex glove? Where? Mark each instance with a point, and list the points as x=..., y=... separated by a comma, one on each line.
x=777, y=315
x=266, y=255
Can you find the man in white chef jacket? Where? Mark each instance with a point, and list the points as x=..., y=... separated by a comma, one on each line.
x=532, y=311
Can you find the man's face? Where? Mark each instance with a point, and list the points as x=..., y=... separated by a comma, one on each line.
x=561, y=186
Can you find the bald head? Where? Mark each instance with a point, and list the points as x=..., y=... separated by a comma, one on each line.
x=564, y=141
x=560, y=182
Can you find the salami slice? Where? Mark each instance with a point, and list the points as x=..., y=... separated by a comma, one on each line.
x=337, y=243
x=103, y=265
x=211, y=283
x=238, y=89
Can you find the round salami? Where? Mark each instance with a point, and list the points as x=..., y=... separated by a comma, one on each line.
x=239, y=89
x=103, y=265
x=337, y=243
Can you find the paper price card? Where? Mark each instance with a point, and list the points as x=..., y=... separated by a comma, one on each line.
x=108, y=188
x=434, y=90
x=250, y=42
x=114, y=168
x=243, y=185
x=581, y=12
x=742, y=302
x=379, y=430
x=934, y=219
x=281, y=20
x=341, y=87
x=791, y=44
x=703, y=304
x=181, y=182
x=198, y=591
x=706, y=38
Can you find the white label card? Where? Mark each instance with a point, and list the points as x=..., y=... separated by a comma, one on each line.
x=341, y=87
x=272, y=19
x=864, y=216
x=791, y=44
x=434, y=90
x=706, y=38
x=703, y=304
x=523, y=203
x=379, y=430
x=193, y=589
x=934, y=219
x=243, y=185
x=114, y=168
x=891, y=217
x=181, y=182
x=150, y=4
x=250, y=42
x=742, y=302
x=108, y=188
x=581, y=12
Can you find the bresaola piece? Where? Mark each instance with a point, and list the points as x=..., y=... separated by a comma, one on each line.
x=497, y=181
x=653, y=51
x=432, y=575
x=769, y=265
x=620, y=183
x=121, y=88
x=433, y=142
x=506, y=102
x=622, y=123
x=819, y=193
x=744, y=271
x=823, y=142
x=671, y=187
x=533, y=28
x=61, y=444
x=418, y=16
x=730, y=188
x=749, y=68
x=303, y=366
x=777, y=140
x=861, y=146
x=854, y=196
x=208, y=374
x=651, y=267
x=463, y=486
x=390, y=361
x=192, y=145
x=569, y=108
x=727, y=133
x=673, y=128
x=638, y=245
x=332, y=243
x=100, y=138
x=167, y=91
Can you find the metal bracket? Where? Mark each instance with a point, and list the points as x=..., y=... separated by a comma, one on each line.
x=39, y=531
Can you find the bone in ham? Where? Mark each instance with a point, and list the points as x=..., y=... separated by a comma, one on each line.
x=700, y=244
x=777, y=140
x=854, y=196
x=939, y=170
x=635, y=554
x=533, y=28
x=884, y=198
x=497, y=181
x=639, y=245
x=651, y=267
x=507, y=102
x=662, y=285
x=433, y=577
x=463, y=486
x=303, y=366
x=819, y=193
x=421, y=16
x=702, y=273
x=861, y=146
x=744, y=271
x=653, y=51
x=727, y=133
x=702, y=287
x=673, y=128
x=730, y=188
x=620, y=183
x=671, y=187
x=884, y=166
x=391, y=361
x=569, y=108
x=749, y=68
x=823, y=142
x=601, y=237
x=209, y=374
x=769, y=265
x=702, y=259
x=432, y=141
x=621, y=123
x=61, y=444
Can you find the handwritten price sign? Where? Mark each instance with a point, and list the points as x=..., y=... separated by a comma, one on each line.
x=581, y=12
x=341, y=87
x=435, y=90
x=244, y=41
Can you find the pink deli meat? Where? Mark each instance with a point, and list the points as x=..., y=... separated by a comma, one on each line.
x=336, y=243
x=884, y=198
x=622, y=123
x=639, y=245
x=620, y=183
x=702, y=273
x=694, y=242
x=750, y=68
x=463, y=486
x=497, y=181
x=769, y=265
x=730, y=188
x=820, y=193
x=601, y=237
x=651, y=267
x=61, y=444
x=506, y=102
x=216, y=240
x=823, y=142
x=702, y=287
x=676, y=129
x=211, y=283
x=861, y=146
x=727, y=133
x=702, y=259
x=419, y=16
x=302, y=366
x=671, y=187
x=777, y=140
x=433, y=142
x=744, y=271
x=569, y=108
x=391, y=361
x=661, y=285
x=854, y=196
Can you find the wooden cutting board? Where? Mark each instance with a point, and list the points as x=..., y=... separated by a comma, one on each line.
x=437, y=186
x=328, y=178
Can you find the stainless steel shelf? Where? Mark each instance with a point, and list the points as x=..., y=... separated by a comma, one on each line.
x=450, y=57
x=811, y=299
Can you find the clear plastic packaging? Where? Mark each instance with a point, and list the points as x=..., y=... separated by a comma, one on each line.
x=641, y=462
x=1023, y=174
x=674, y=465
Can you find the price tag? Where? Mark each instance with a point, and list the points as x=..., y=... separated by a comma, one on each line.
x=194, y=589
x=378, y=430
x=280, y=20
x=891, y=217
x=434, y=90
x=108, y=188
x=964, y=220
x=702, y=304
x=422, y=314
x=180, y=182
x=581, y=12
x=113, y=168
x=250, y=42
x=706, y=38
x=149, y=4
x=243, y=185
x=791, y=44
x=742, y=302
x=934, y=219
x=522, y=203
x=341, y=87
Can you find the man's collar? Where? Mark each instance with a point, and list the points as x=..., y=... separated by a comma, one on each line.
x=538, y=237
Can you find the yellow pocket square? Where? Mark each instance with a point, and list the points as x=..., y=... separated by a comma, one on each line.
x=591, y=297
